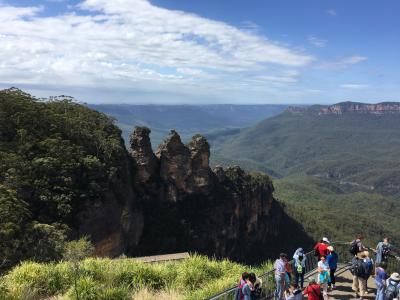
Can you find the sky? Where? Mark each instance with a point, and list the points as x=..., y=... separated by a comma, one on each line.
x=202, y=51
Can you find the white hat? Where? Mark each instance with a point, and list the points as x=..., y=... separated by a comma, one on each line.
x=395, y=276
x=325, y=239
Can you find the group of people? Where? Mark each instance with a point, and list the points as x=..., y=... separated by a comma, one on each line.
x=249, y=287
x=289, y=278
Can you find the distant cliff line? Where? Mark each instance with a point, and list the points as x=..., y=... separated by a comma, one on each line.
x=349, y=107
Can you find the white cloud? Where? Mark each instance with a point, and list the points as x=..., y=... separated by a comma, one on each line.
x=131, y=43
x=317, y=42
x=331, y=12
x=354, y=86
x=342, y=63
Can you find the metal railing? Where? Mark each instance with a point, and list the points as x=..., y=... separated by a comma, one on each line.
x=268, y=278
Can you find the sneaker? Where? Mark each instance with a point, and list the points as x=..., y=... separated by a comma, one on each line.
x=333, y=286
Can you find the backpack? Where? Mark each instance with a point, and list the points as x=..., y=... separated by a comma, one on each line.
x=385, y=252
x=353, y=248
x=358, y=268
x=257, y=292
x=391, y=290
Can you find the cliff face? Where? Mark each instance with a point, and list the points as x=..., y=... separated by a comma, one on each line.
x=349, y=107
x=189, y=207
x=352, y=107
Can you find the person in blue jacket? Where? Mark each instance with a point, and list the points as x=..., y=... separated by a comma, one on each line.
x=332, y=260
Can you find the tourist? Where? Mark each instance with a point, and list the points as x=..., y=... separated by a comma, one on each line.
x=383, y=250
x=241, y=283
x=280, y=273
x=288, y=274
x=361, y=272
x=256, y=293
x=392, y=286
x=369, y=267
x=357, y=246
x=313, y=291
x=299, y=259
x=323, y=278
x=332, y=260
x=248, y=287
x=380, y=280
x=321, y=248
x=294, y=293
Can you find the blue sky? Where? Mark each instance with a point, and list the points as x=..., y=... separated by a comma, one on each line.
x=208, y=51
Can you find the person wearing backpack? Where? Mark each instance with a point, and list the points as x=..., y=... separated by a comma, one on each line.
x=256, y=293
x=321, y=248
x=248, y=287
x=299, y=259
x=242, y=281
x=392, y=287
x=313, y=291
x=380, y=280
x=332, y=260
x=360, y=270
x=357, y=246
x=383, y=250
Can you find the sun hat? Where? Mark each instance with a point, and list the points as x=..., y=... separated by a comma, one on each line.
x=395, y=277
x=330, y=248
x=325, y=239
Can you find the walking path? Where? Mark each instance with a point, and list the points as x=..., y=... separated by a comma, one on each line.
x=343, y=290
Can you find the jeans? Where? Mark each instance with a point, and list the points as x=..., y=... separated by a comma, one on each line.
x=332, y=279
x=380, y=291
x=280, y=287
x=299, y=277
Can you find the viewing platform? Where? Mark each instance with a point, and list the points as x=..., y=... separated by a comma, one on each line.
x=344, y=278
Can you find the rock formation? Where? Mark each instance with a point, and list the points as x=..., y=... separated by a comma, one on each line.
x=146, y=161
x=189, y=207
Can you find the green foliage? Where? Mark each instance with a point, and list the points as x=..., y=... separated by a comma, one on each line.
x=55, y=158
x=326, y=210
x=194, y=278
x=75, y=251
x=338, y=175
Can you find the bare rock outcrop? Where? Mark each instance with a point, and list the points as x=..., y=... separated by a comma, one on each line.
x=221, y=212
x=141, y=151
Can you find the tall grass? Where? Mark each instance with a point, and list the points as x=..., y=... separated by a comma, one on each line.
x=194, y=278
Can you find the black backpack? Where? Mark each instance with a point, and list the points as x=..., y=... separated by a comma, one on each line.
x=358, y=268
x=257, y=292
x=385, y=252
x=391, y=290
x=353, y=248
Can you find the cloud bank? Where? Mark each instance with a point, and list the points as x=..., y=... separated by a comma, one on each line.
x=133, y=44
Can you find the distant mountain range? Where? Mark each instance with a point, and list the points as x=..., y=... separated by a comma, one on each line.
x=336, y=163
x=350, y=143
x=210, y=120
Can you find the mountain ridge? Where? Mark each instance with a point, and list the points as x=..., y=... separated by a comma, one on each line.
x=347, y=107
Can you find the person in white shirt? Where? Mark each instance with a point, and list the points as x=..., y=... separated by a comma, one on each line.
x=323, y=278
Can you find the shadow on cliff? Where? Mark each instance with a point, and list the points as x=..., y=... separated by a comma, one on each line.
x=224, y=213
